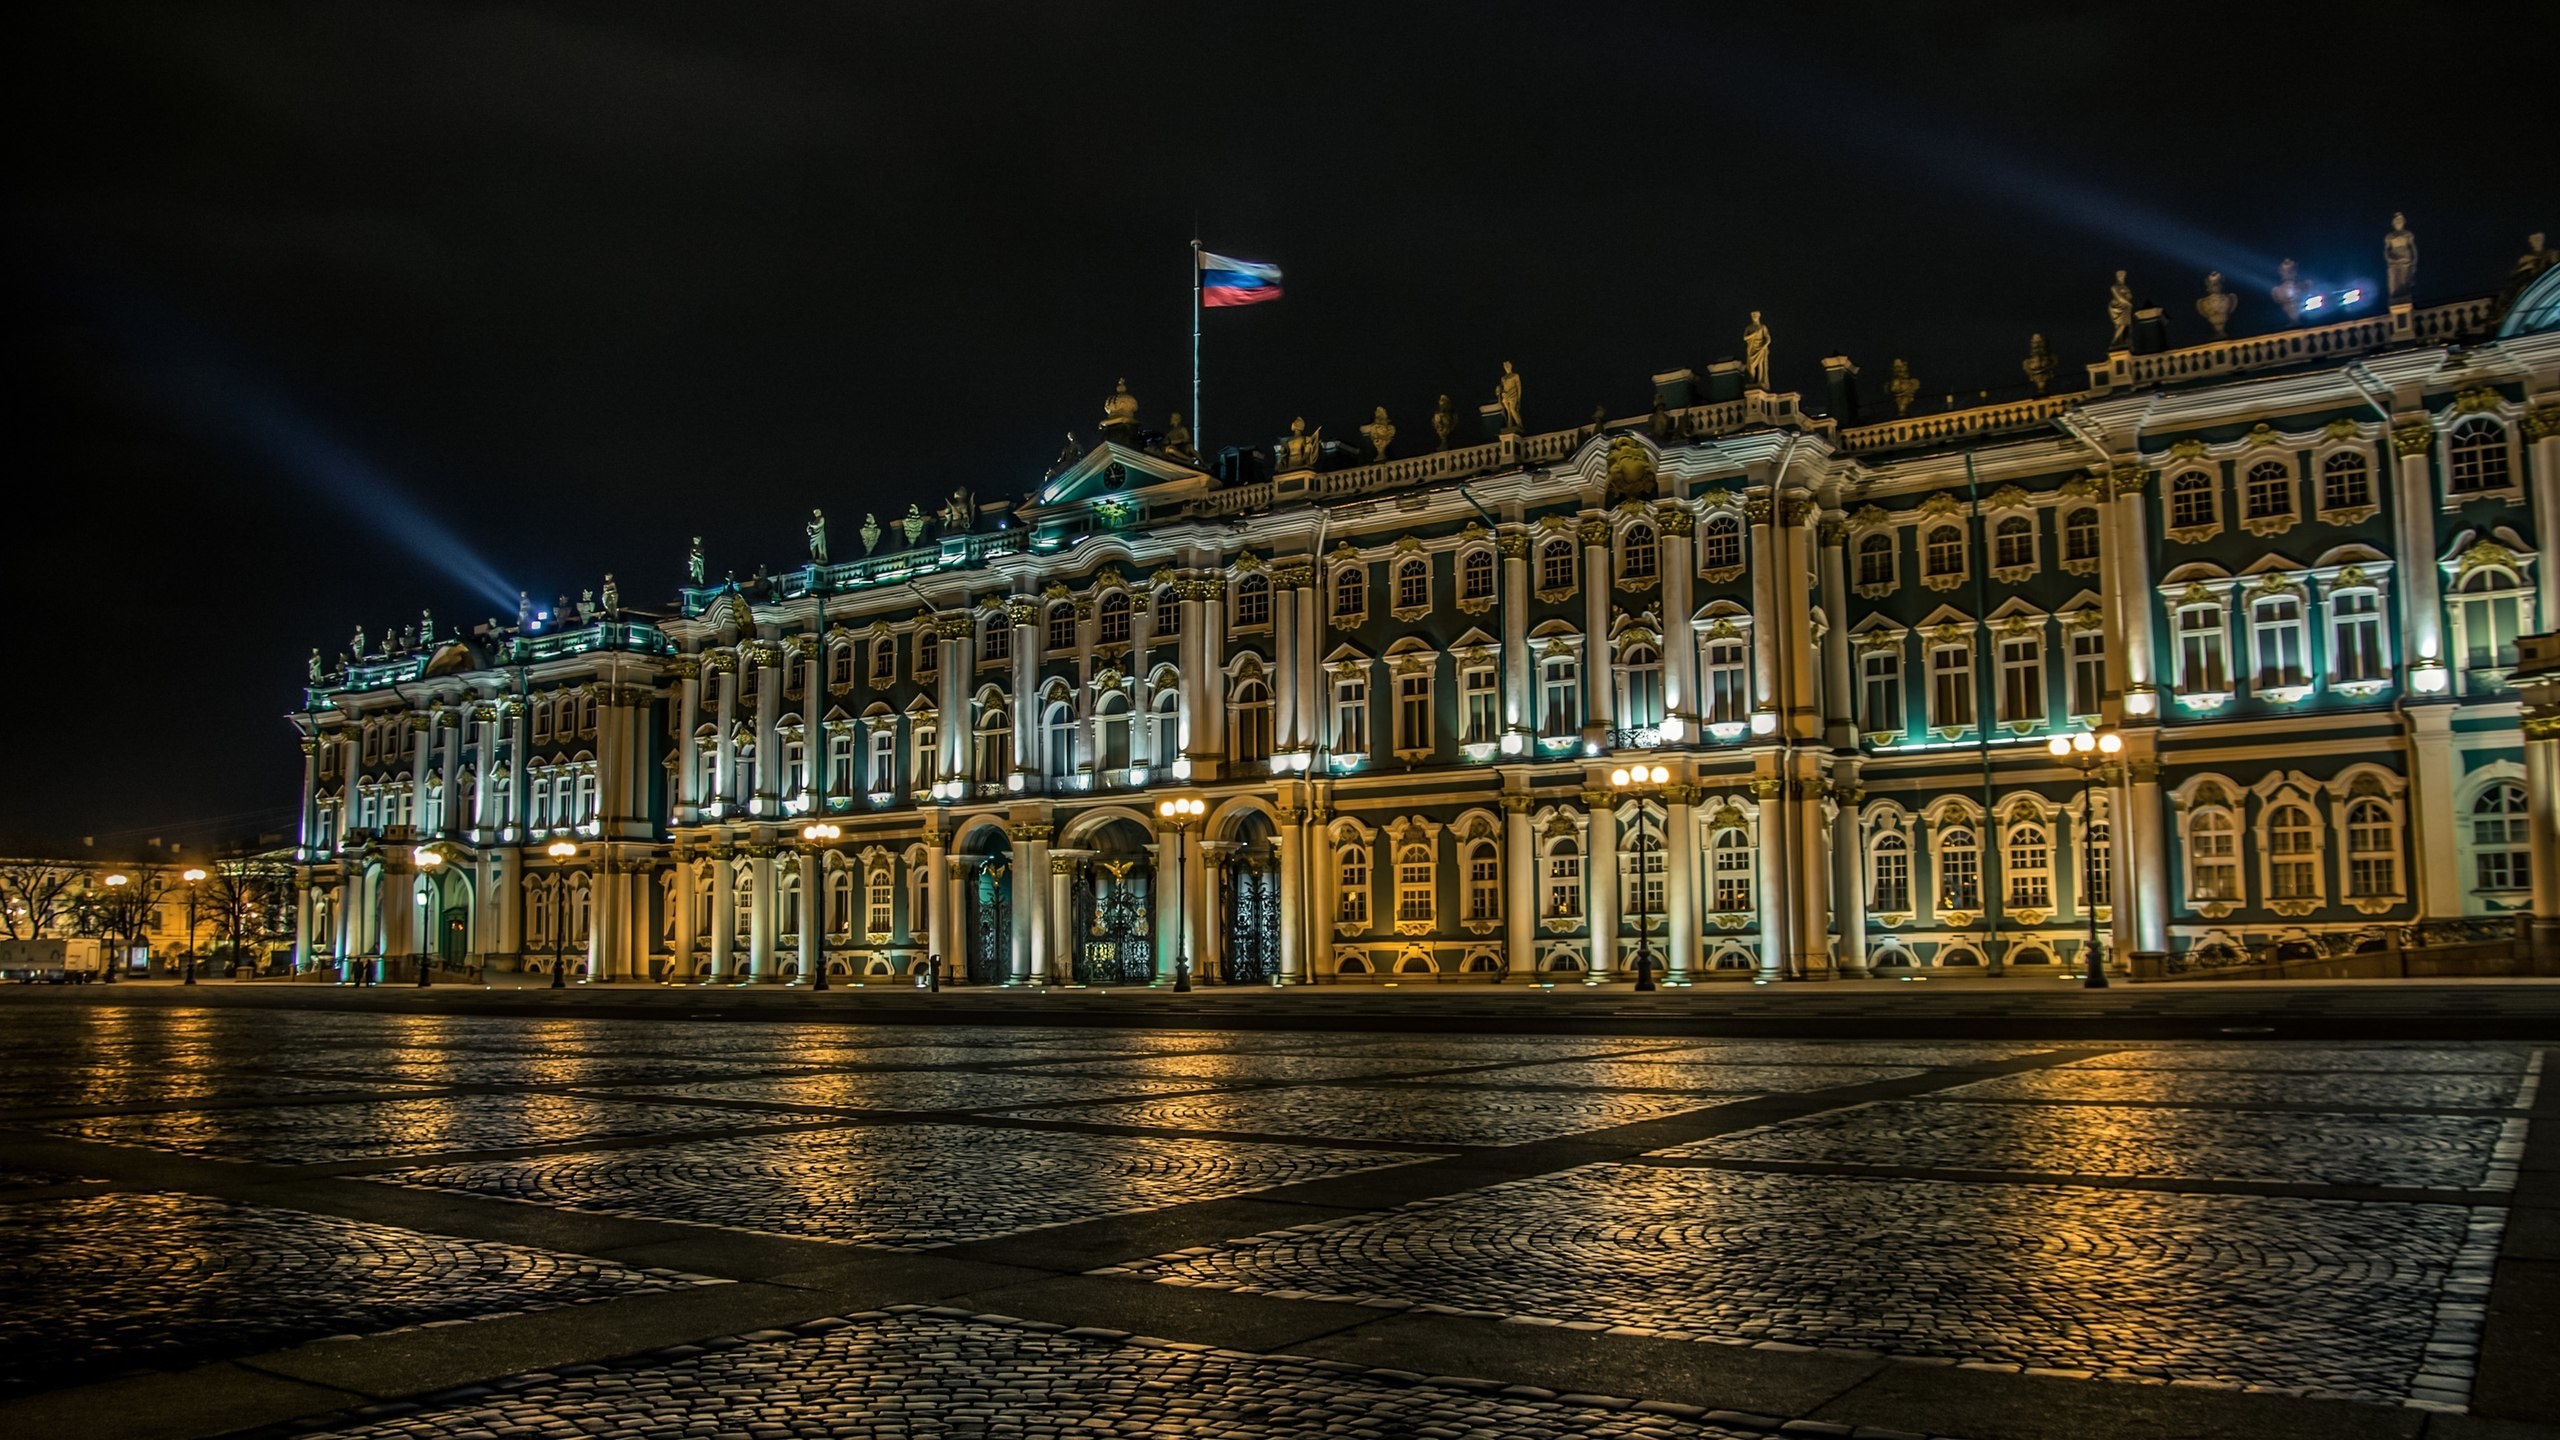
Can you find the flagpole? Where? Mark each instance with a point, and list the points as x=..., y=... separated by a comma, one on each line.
x=1199, y=443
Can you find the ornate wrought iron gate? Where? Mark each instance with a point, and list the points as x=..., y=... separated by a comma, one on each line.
x=991, y=924
x=1114, y=940
x=1250, y=894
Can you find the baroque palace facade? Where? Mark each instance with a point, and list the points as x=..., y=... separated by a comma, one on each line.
x=2291, y=570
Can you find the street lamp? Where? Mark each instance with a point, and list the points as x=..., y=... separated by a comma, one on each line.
x=115, y=917
x=191, y=876
x=429, y=860
x=2088, y=753
x=1181, y=814
x=815, y=836
x=1643, y=782
x=560, y=850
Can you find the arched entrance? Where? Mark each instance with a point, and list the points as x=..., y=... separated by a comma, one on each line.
x=1249, y=902
x=1114, y=908
x=986, y=904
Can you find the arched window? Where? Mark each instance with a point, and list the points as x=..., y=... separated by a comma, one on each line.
x=879, y=897
x=1560, y=697
x=2476, y=455
x=1058, y=739
x=1943, y=552
x=2275, y=634
x=1484, y=881
x=840, y=902
x=1642, y=864
x=1728, y=682
x=2013, y=543
x=2373, y=850
x=1475, y=575
x=2191, y=500
x=2500, y=840
x=1114, y=617
x=1639, y=555
x=2080, y=534
x=1111, y=730
x=1168, y=614
x=1639, y=686
x=1555, y=565
x=1413, y=584
x=1168, y=723
x=840, y=665
x=2030, y=867
x=2098, y=864
x=1563, y=894
x=1959, y=869
x=995, y=744
x=1720, y=544
x=1875, y=560
x=2031, y=955
x=884, y=761
x=2267, y=491
x=1889, y=874
x=884, y=660
x=2487, y=611
x=1250, y=736
x=2213, y=865
x=995, y=639
x=2293, y=863
x=1350, y=592
x=1062, y=625
x=2346, y=481
x=1413, y=885
x=1731, y=870
x=1351, y=878
x=1253, y=602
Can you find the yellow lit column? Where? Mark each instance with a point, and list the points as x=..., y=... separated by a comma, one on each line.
x=761, y=917
x=1686, y=936
x=1519, y=878
x=681, y=898
x=2542, y=429
x=1597, y=691
x=765, y=798
x=1600, y=889
x=2413, y=439
x=1772, y=851
x=1848, y=867
x=724, y=914
x=1682, y=715
x=1519, y=695
x=2542, y=810
x=1293, y=889
x=813, y=928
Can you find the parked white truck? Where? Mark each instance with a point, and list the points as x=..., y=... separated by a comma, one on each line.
x=55, y=962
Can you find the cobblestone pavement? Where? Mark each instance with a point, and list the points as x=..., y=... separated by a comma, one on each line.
x=56, y=1088
x=2418, y=1151
x=2273, y=1292
x=2314, y=1059
x=1225, y=1069
x=900, y=1187
x=419, y=1125
x=101, y=1284
x=1412, y=1113
x=2452, y=1090
x=913, y=1373
x=925, y=1089
x=1680, y=1074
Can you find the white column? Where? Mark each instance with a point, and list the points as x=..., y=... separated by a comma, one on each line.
x=2149, y=854
x=1684, y=935
x=1063, y=939
x=1679, y=642
x=939, y=937
x=2542, y=811
x=813, y=920
x=1024, y=615
x=2125, y=580
x=760, y=909
x=724, y=914
x=2432, y=773
x=680, y=954
x=1848, y=867
x=688, y=752
x=1293, y=892
x=725, y=787
x=1809, y=887
x=484, y=769
x=1519, y=686
x=2414, y=514
x=2543, y=427
x=1794, y=588
x=449, y=730
x=308, y=834
x=1600, y=887
x=1034, y=899
x=1025, y=888
x=766, y=794
x=1191, y=656
x=1771, y=791
x=1520, y=867
x=1172, y=874
x=422, y=739
x=1768, y=630
x=1310, y=680
x=1213, y=661
x=1286, y=676
x=1839, y=699
x=1598, y=691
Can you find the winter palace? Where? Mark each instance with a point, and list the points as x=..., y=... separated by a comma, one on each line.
x=1745, y=687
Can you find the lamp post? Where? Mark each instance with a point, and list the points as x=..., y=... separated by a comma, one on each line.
x=815, y=837
x=191, y=876
x=1643, y=782
x=115, y=920
x=1182, y=814
x=560, y=850
x=2088, y=753
x=428, y=860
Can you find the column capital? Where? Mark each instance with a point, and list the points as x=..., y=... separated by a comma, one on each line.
x=2413, y=437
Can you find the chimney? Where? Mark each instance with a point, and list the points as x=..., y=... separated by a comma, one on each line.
x=1841, y=379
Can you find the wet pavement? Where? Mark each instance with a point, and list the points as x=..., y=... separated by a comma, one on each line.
x=241, y=1219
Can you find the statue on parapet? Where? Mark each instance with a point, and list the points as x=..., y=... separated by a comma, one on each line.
x=2400, y=258
x=817, y=528
x=612, y=596
x=913, y=522
x=1381, y=433
x=2216, y=305
x=693, y=562
x=1506, y=393
x=2120, y=314
x=1444, y=421
x=2039, y=364
x=1904, y=387
x=870, y=532
x=314, y=667
x=961, y=510
x=2288, y=292
x=1755, y=354
x=1300, y=450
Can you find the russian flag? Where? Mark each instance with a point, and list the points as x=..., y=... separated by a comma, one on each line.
x=1236, y=282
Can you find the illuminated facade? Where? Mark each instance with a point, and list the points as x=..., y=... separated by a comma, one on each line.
x=2292, y=569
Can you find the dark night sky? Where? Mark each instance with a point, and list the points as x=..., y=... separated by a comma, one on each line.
x=323, y=309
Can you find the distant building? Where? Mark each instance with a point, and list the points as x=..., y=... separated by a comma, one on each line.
x=2292, y=568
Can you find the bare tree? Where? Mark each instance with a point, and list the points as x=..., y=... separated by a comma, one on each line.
x=122, y=913
x=249, y=899
x=35, y=897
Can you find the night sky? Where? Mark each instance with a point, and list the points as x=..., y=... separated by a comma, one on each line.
x=321, y=313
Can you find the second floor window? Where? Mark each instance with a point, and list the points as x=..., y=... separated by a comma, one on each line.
x=1350, y=592
x=1720, y=544
x=1253, y=602
x=1475, y=576
x=1413, y=585
x=1875, y=561
x=2355, y=636
x=1639, y=554
x=2346, y=481
x=2080, y=534
x=1555, y=565
x=1483, y=706
x=1951, y=687
x=2204, y=662
x=1943, y=552
x=2477, y=455
x=1114, y=617
x=1880, y=687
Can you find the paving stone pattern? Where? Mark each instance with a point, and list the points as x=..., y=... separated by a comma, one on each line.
x=926, y=1089
x=97, y=1285
x=2322, y=1059
x=2417, y=1151
x=2311, y=1295
x=2423, y=1090
x=904, y=1187
x=934, y=1374
x=420, y=1125
x=1679, y=1074
x=1412, y=1114
x=55, y=1087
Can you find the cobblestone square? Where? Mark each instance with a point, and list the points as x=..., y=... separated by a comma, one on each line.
x=1415, y=1113
x=2316, y=1059
x=1679, y=1073
x=418, y=1125
x=2440, y=1089
x=926, y=1089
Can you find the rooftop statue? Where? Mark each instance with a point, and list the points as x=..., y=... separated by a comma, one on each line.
x=2039, y=364
x=1444, y=421
x=913, y=522
x=427, y=627
x=693, y=561
x=2120, y=313
x=314, y=667
x=1120, y=407
x=1300, y=450
x=1755, y=353
x=2216, y=305
x=2535, y=259
x=1506, y=393
x=524, y=614
x=960, y=511
x=817, y=528
x=2287, y=292
x=1660, y=423
x=359, y=645
x=1381, y=432
x=2400, y=258
x=870, y=532
x=612, y=596
x=1177, y=439
x=586, y=606
x=1902, y=387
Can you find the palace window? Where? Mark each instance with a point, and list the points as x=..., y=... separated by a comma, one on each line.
x=928, y=655
x=1351, y=715
x=1481, y=704
x=1639, y=686
x=2080, y=534
x=1168, y=726
x=1252, y=728
x=839, y=759
x=1564, y=880
x=2293, y=854
x=1475, y=575
x=1951, y=687
x=1880, y=675
x=2355, y=636
x=1889, y=875
x=879, y=901
x=1555, y=565
x=995, y=743
x=1413, y=712
x=2191, y=501
x=840, y=902
x=2013, y=544
x=2267, y=491
x=2501, y=841
x=1413, y=584
x=1062, y=626
x=1168, y=613
x=884, y=761
x=2088, y=670
x=1351, y=879
x=1728, y=682
x=2022, y=679
x=541, y=730
x=1114, y=617
x=2213, y=864
x=1111, y=732
x=1731, y=870
x=1942, y=553
x=1350, y=592
x=995, y=641
x=2373, y=850
x=1639, y=554
x=1058, y=739
x=922, y=758
x=1720, y=544
x=1559, y=697
x=1413, y=885
x=884, y=661
x=2276, y=641
x=1875, y=561
x=795, y=763
x=2204, y=652
x=1253, y=602
x=2346, y=481
x=839, y=665
x=2030, y=867
x=2477, y=452
x=2486, y=613
x=2098, y=864
x=1484, y=881
x=1959, y=869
